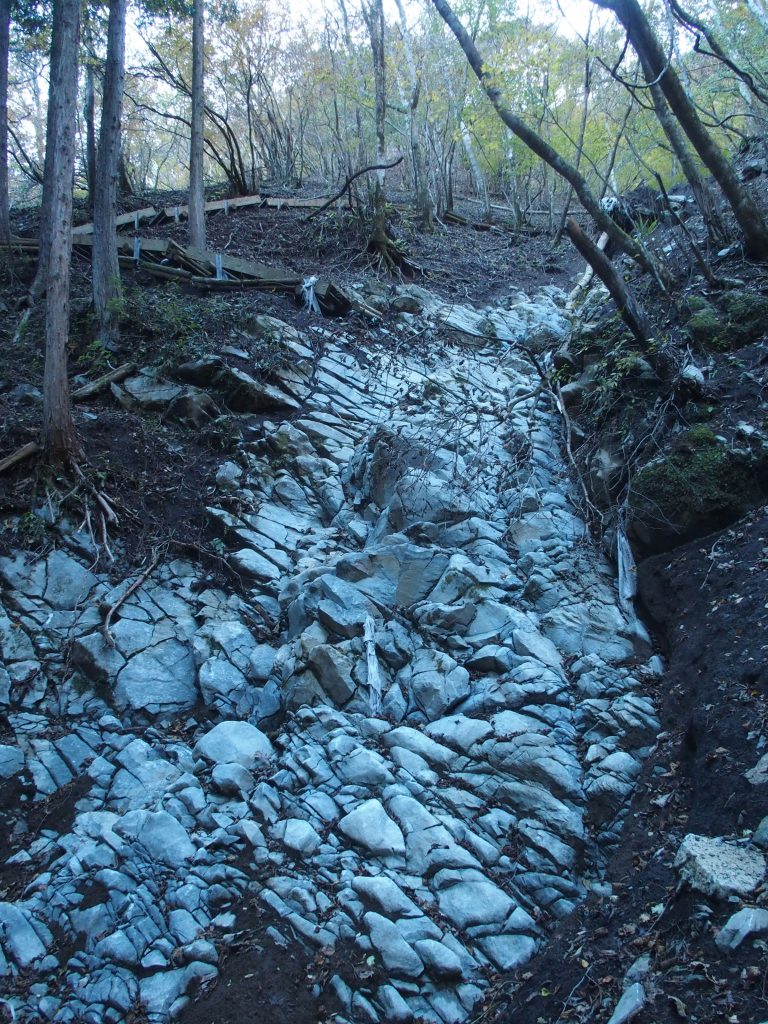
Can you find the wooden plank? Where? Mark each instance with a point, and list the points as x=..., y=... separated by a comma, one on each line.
x=264, y=285
x=214, y=206
x=155, y=247
x=20, y=244
x=123, y=220
x=157, y=269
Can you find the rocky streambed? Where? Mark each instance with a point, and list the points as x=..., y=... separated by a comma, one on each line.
x=413, y=729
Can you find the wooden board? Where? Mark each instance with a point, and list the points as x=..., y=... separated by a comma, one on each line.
x=124, y=220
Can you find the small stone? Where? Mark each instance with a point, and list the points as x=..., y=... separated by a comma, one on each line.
x=397, y=955
x=238, y=742
x=508, y=952
x=630, y=1004
x=758, y=776
x=745, y=922
x=369, y=825
x=298, y=835
x=439, y=961
x=11, y=761
x=474, y=902
x=232, y=779
x=395, y=1007
x=760, y=835
x=229, y=476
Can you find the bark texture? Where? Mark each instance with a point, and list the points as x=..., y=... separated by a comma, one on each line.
x=106, y=268
x=59, y=437
x=5, y=31
x=196, y=189
x=373, y=12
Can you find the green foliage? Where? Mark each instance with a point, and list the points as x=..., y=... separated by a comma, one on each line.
x=701, y=481
x=738, y=319
x=174, y=325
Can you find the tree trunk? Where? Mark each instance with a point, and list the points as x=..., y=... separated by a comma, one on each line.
x=196, y=190
x=89, y=119
x=55, y=126
x=540, y=146
x=106, y=268
x=59, y=437
x=373, y=12
x=89, y=111
x=715, y=227
x=5, y=31
x=582, y=130
x=631, y=314
x=654, y=62
x=424, y=204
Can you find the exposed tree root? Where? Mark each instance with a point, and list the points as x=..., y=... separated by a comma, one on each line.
x=390, y=257
x=109, y=610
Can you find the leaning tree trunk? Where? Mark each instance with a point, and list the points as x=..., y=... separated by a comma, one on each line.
x=541, y=147
x=671, y=127
x=196, y=190
x=106, y=268
x=654, y=62
x=59, y=437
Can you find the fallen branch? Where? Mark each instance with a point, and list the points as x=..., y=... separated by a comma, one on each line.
x=87, y=390
x=109, y=610
x=348, y=182
x=18, y=456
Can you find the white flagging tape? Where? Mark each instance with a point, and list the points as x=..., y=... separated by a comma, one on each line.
x=219, y=269
x=308, y=290
x=136, y=250
x=372, y=664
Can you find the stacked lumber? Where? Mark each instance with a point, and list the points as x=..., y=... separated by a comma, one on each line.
x=165, y=258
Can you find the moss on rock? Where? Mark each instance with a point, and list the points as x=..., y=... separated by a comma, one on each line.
x=701, y=485
x=740, y=317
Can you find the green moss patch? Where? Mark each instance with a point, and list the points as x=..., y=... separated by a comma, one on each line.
x=699, y=486
x=736, y=319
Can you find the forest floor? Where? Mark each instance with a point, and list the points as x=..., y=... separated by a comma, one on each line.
x=706, y=602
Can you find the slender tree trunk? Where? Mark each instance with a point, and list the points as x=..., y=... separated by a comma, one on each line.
x=373, y=13
x=361, y=160
x=106, y=268
x=89, y=119
x=196, y=190
x=540, y=146
x=59, y=437
x=424, y=204
x=671, y=127
x=55, y=126
x=5, y=32
x=582, y=131
x=653, y=58
x=89, y=111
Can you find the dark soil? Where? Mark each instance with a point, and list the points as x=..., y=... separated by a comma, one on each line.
x=707, y=602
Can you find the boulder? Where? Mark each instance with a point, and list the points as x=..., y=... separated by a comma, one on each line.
x=719, y=868
x=238, y=742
